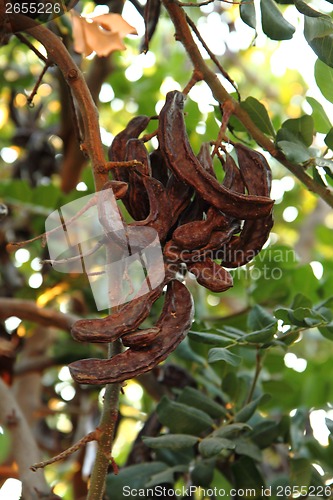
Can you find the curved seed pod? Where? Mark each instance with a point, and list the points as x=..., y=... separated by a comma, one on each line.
x=141, y=338
x=158, y=167
x=174, y=322
x=211, y=275
x=119, y=188
x=197, y=234
x=257, y=177
x=233, y=178
x=137, y=202
x=179, y=195
x=174, y=254
x=205, y=158
x=151, y=17
x=118, y=146
x=182, y=161
x=159, y=217
x=111, y=328
x=198, y=207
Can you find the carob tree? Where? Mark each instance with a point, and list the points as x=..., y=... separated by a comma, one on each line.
x=203, y=224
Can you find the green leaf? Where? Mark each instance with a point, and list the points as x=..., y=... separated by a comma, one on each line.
x=247, y=478
x=327, y=331
x=324, y=79
x=193, y=397
x=265, y=433
x=320, y=118
x=318, y=32
x=209, y=338
x=184, y=351
x=261, y=336
x=301, y=300
x=247, y=13
x=329, y=139
x=132, y=477
x=171, y=441
x=166, y=476
x=259, y=318
x=274, y=25
x=323, y=48
x=203, y=472
x=301, y=128
x=247, y=447
x=221, y=354
x=248, y=410
x=258, y=113
x=212, y=446
x=182, y=419
x=300, y=472
x=231, y=429
x=294, y=151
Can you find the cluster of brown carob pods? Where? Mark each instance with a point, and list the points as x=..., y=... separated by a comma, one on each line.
x=199, y=221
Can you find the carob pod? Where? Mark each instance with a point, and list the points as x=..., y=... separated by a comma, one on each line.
x=184, y=164
x=159, y=170
x=127, y=319
x=159, y=217
x=140, y=339
x=174, y=254
x=151, y=16
x=137, y=196
x=197, y=234
x=173, y=324
x=179, y=195
x=198, y=207
x=117, y=150
x=211, y=275
x=257, y=177
x=119, y=188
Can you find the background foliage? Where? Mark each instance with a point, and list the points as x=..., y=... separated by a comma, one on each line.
x=246, y=399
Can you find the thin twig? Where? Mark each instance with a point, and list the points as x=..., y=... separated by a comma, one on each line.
x=256, y=376
x=24, y=40
x=212, y=55
x=39, y=81
x=92, y=436
x=195, y=78
x=116, y=164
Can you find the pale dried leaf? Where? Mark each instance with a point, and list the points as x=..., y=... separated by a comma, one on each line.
x=101, y=34
x=101, y=41
x=80, y=43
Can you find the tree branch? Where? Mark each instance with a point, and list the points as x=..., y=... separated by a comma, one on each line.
x=184, y=35
x=58, y=54
x=27, y=309
x=23, y=445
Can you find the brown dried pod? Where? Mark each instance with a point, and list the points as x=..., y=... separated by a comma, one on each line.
x=158, y=167
x=117, y=150
x=211, y=275
x=151, y=17
x=137, y=201
x=197, y=234
x=174, y=322
x=159, y=217
x=184, y=164
x=198, y=206
x=140, y=339
x=127, y=319
x=257, y=177
x=179, y=195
